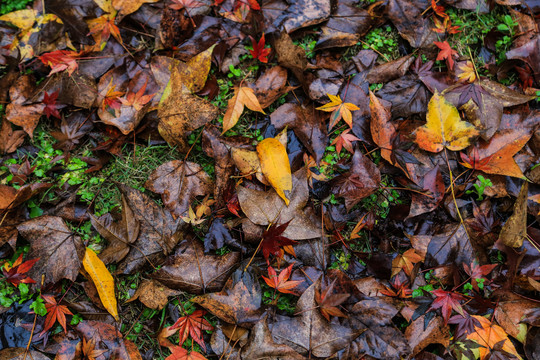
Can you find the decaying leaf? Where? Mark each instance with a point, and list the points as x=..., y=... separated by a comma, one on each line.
x=514, y=230
x=153, y=294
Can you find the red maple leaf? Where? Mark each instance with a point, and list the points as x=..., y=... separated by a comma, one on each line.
x=192, y=325
x=447, y=301
x=473, y=160
x=137, y=99
x=345, y=140
x=259, y=51
x=179, y=353
x=103, y=27
x=273, y=240
x=60, y=60
x=16, y=273
x=446, y=53
x=281, y=283
x=55, y=312
x=50, y=105
x=475, y=271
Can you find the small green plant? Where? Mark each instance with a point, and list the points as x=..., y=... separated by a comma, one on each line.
x=8, y=6
x=341, y=261
x=480, y=188
x=308, y=44
x=422, y=290
x=284, y=302
x=384, y=40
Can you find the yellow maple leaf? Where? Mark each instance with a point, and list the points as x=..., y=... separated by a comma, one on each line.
x=487, y=335
x=444, y=127
x=466, y=72
x=339, y=110
x=243, y=96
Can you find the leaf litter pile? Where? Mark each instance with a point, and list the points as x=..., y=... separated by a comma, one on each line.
x=300, y=179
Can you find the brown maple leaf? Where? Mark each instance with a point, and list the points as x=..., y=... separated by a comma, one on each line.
x=405, y=262
x=329, y=302
x=192, y=325
x=89, y=350
x=281, y=283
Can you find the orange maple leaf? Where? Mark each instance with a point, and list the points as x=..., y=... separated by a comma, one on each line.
x=339, y=110
x=55, y=312
x=102, y=28
x=446, y=53
x=488, y=335
x=345, y=140
x=137, y=100
x=179, y=353
x=192, y=325
x=406, y=262
x=280, y=282
x=60, y=60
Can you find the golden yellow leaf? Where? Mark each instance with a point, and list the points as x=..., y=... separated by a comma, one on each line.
x=444, y=127
x=106, y=5
x=275, y=166
x=243, y=96
x=487, y=335
x=466, y=72
x=102, y=279
x=339, y=110
x=23, y=19
x=126, y=7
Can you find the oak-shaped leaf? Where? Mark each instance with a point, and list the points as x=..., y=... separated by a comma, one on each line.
x=17, y=273
x=55, y=312
x=444, y=128
x=310, y=332
x=59, y=250
x=243, y=97
x=179, y=183
x=264, y=207
x=281, y=283
x=192, y=325
x=361, y=181
x=190, y=269
x=240, y=300
x=447, y=301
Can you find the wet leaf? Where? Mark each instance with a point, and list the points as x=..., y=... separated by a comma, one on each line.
x=55, y=312
x=487, y=335
x=243, y=97
x=338, y=110
x=446, y=53
x=152, y=294
x=275, y=167
x=444, y=128
x=281, y=283
x=405, y=262
x=192, y=325
x=514, y=230
x=382, y=129
x=60, y=251
x=102, y=279
x=10, y=140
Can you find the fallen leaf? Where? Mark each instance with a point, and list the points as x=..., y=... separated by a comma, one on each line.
x=60, y=251
x=345, y=140
x=190, y=269
x=179, y=183
x=239, y=301
x=361, y=181
x=446, y=53
x=102, y=279
x=118, y=234
x=153, y=294
x=339, y=110
x=328, y=301
x=55, y=312
x=310, y=332
x=10, y=140
x=444, y=128
x=16, y=273
x=179, y=353
x=447, y=301
x=271, y=85
x=281, y=283
x=405, y=262
x=435, y=190
x=382, y=129
x=262, y=208
x=514, y=230
x=192, y=325
x=275, y=166
x=126, y=7
x=487, y=335
x=243, y=96
x=259, y=52
x=17, y=111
